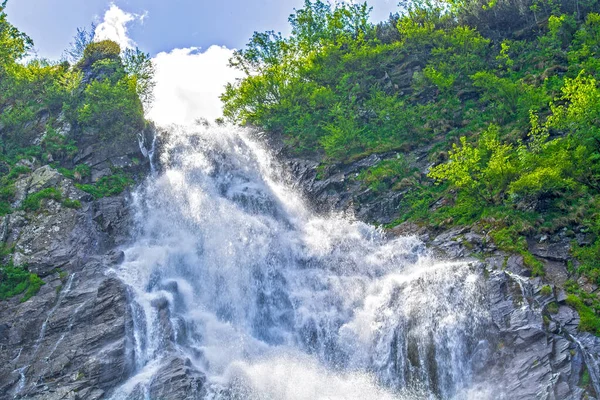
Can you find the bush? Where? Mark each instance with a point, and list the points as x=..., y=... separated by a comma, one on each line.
x=15, y=280
x=33, y=201
x=385, y=174
x=81, y=171
x=589, y=320
x=546, y=290
x=58, y=146
x=75, y=204
x=108, y=185
x=95, y=51
x=114, y=110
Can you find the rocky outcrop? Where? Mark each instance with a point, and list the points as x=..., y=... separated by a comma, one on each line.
x=71, y=339
x=74, y=338
x=533, y=348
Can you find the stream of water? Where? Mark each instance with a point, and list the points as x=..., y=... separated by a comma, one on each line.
x=232, y=271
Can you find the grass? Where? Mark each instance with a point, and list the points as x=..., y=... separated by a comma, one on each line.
x=108, y=186
x=16, y=280
x=546, y=290
x=588, y=319
x=33, y=202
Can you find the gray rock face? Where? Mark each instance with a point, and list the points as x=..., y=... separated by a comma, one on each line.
x=178, y=380
x=73, y=340
x=340, y=190
x=122, y=153
x=535, y=354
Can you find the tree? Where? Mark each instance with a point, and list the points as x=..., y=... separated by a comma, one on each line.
x=14, y=44
x=139, y=65
x=81, y=40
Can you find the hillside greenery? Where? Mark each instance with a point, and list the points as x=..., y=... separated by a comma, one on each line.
x=49, y=110
x=502, y=95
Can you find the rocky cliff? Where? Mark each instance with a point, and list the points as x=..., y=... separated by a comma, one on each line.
x=71, y=339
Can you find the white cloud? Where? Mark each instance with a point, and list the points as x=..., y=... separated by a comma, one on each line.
x=188, y=81
x=114, y=26
x=188, y=84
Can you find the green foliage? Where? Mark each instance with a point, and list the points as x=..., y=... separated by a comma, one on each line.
x=585, y=378
x=139, y=66
x=13, y=44
x=112, y=109
x=102, y=50
x=108, y=186
x=16, y=280
x=28, y=92
x=546, y=290
x=80, y=172
x=75, y=204
x=33, y=202
x=552, y=308
x=107, y=102
x=80, y=42
x=484, y=171
x=387, y=174
x=589, y=320
x=57, y=146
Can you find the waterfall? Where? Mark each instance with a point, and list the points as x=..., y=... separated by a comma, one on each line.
x=231, y=271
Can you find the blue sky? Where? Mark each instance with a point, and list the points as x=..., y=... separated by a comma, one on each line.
x=168, y=24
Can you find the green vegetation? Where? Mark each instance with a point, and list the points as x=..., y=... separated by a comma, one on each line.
x=81, y=171
x=552, y=308
x=15, y=281
x=502, y=95
x=585, y=379
x=388, y=174
x=546, y=290
x=99, y=95
x=108, y=185
x=589, y=320
x=33, y=202
x=49, y=109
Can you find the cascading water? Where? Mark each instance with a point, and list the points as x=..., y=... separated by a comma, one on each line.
x=231, y=271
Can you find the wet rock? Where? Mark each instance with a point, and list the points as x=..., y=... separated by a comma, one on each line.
x=178, y=380
x=73, y=339
x=530, y=360
x=515, y=264
x=74, y=336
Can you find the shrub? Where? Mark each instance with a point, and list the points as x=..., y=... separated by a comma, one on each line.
x=75, y=204
x=546, y=290
x=115, y=110
x=33, y=201
x=108, y=185
x=95, y=51
x=15, y=280
x=386, y=173
x=552, y=308
x=81, y=171
x=57, y=145
x=588, y=319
